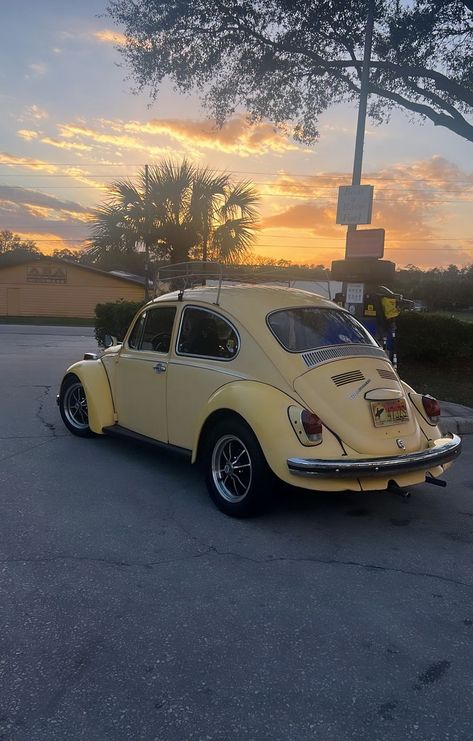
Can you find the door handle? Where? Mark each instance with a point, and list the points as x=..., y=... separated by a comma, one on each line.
x=160, y=367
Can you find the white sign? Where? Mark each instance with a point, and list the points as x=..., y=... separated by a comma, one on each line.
x=355, y=204
x=354, y=293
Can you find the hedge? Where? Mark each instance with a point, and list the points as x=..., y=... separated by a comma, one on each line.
x=114, y=319
x=433, y=337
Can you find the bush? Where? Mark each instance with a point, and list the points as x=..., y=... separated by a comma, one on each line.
x=433, y=337
x=114, y=318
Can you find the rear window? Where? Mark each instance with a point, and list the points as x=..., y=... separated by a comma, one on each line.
x=308, y=328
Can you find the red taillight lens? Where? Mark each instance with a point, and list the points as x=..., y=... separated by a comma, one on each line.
x=432, y=407
x=312, y=426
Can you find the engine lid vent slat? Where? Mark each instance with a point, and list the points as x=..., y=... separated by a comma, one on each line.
x=335, y=352
x=349, y=377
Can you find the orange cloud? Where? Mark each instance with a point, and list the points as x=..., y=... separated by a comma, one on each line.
x=29, y=163
x=47, y=242
x=61, y=144
x=122, y=141
x=109, y=37
x=411, y=202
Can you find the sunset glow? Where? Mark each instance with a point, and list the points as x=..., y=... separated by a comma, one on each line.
x=73, y=126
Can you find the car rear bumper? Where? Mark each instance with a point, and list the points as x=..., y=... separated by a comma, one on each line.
x=443, y=452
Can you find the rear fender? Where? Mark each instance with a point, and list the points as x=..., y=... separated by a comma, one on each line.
x=93, y=377
x=265, y=409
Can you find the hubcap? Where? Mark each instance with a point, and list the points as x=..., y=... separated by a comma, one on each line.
x=232, y=471
x=75, y=406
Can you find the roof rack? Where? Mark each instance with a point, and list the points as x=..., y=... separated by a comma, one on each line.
x=185, y=275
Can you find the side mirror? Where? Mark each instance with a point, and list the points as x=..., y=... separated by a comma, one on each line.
x=109, y=340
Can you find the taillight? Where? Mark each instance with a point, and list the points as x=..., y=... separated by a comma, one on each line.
x=432, y=407
x=312, y=426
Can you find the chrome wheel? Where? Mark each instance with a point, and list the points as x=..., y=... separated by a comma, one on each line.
x=74, y=404
x=232, y=469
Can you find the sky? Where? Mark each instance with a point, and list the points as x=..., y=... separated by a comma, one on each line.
x=71, y=124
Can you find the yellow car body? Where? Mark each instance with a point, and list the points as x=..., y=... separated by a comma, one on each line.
x=166, y=390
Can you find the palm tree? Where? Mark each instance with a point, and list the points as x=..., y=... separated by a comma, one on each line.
x=179, y=211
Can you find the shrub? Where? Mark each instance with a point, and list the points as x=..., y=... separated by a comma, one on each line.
x=114, y=318
x=433, y=337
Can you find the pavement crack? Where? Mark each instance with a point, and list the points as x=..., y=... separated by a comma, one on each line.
x=340, y=562
x=213, y=551
x=39, y=413
x=105, y=561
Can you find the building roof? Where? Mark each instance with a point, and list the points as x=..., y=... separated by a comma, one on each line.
x=117, y=275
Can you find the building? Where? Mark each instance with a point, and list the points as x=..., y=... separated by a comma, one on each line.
x=52, y=287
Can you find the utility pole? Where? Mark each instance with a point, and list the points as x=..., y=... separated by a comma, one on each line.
x=365, y=80
x=147, y=233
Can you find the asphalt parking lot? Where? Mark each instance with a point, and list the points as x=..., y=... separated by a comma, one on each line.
x=132, y=609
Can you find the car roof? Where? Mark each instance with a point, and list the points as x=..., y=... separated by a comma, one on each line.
x=243, y=300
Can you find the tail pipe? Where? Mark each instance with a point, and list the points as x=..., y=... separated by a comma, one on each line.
x=394, y=488
x=436, y=482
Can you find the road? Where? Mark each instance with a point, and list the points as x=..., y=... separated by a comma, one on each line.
x=132, y=609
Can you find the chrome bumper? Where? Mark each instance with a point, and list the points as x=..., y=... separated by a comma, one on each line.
x=443, y=453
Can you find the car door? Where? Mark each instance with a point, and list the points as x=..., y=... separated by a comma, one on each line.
x=141, y=373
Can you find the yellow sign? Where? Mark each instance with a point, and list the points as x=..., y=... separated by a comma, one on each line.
x=390, y=307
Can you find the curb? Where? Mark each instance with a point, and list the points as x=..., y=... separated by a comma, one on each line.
x=458, y=425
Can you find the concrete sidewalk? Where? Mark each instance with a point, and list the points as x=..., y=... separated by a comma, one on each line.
x=456, y=418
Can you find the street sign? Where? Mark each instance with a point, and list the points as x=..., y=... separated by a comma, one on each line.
x=355, y=204
x=365, y=243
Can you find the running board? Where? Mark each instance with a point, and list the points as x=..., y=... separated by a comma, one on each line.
x=124, y=432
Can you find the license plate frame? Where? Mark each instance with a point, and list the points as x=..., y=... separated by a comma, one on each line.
x=389, y=412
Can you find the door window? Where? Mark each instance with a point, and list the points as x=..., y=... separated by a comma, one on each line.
x=207, y=334
x=153, y=329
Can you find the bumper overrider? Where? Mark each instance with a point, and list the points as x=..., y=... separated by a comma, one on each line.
x=444, y=452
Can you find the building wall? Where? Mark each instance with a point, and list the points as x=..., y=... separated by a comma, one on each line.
x=54, y=288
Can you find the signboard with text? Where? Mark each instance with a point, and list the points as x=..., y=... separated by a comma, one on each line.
x=355, y=204
x=46, y=274
x=365, y=243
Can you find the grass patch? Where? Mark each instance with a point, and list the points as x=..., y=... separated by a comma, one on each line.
x=463, y=316
x=452, y=381
x=60, y=321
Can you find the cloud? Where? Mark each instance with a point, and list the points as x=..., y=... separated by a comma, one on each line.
x=29, y=163
x=413, y=202
x=108, y=36
x=27, y=134
x=237, y=136
x=306, y=216
x=122, y=141
x=37, y=70
x=58, y=222
x=61, y=144
x=34, y=112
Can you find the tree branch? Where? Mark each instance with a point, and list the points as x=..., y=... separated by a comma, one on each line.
x=460, y=127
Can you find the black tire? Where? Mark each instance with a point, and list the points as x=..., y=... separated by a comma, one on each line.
x=236, y=473
x=73, y=407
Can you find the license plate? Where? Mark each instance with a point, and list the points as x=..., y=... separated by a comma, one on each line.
x=389, y=412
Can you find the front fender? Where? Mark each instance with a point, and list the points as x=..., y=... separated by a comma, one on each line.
x=93, y=377
x=265, y=409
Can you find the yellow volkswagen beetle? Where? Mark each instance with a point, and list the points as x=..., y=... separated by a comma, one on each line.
x=260, y=381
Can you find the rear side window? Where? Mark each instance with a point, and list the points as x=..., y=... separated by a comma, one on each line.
x=153, y=329
x=207, y=334
x=307, y=328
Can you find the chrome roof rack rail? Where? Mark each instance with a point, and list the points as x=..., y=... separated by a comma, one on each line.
x=185, y=275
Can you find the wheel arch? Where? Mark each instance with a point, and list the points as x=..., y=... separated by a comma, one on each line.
x=264, y=409
x=94, y=379
x=214, y=418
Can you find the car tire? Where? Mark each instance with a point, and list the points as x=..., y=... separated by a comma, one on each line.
x=236, y=473
x=73, y=407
